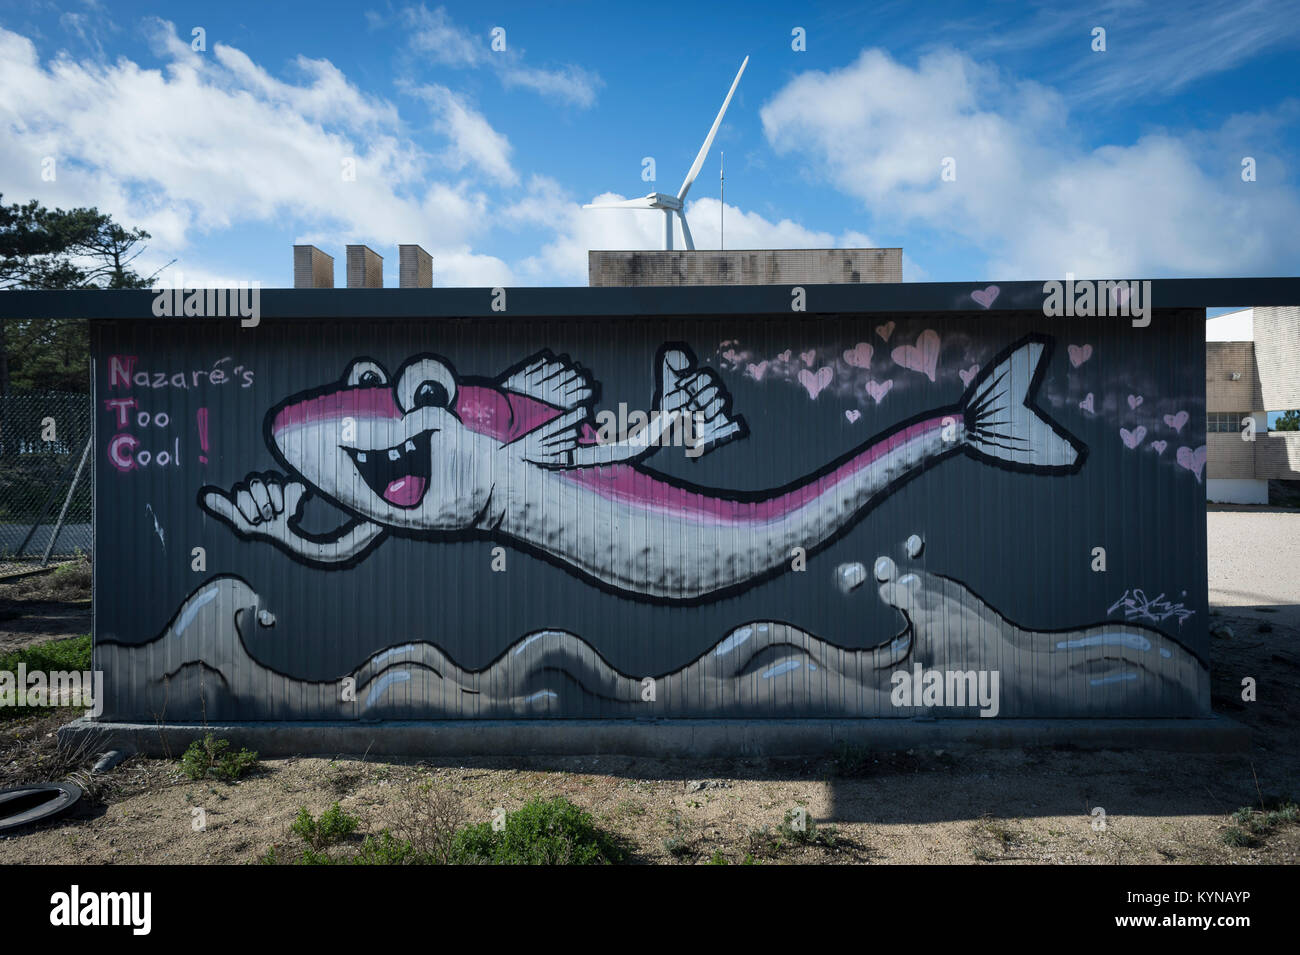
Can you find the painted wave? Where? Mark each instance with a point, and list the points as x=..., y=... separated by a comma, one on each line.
x=199, y=668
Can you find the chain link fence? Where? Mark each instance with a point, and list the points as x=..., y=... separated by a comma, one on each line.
x=45, y=479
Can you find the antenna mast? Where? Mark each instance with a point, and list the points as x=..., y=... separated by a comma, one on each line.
x=722, y=197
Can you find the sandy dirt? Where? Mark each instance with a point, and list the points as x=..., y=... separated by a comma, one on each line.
x=930, y=806
x=1255, y=561
x=42, y=607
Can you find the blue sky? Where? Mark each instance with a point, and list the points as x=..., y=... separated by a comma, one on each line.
x=1120, y=163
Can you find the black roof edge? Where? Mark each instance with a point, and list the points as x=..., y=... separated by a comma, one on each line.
x=392, y=303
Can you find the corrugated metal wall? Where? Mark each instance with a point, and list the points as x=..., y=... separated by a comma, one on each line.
x=467, y=545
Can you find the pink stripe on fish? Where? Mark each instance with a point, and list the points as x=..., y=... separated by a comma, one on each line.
x=498, y=414
x=623, y=482
x=345, y=403
x=506, y=415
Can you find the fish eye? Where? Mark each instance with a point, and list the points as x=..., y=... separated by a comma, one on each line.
x=366, y=373
x=431, y=394
x=426, y=382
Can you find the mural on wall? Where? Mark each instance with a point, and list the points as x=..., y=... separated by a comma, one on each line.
x=426, y=453
x=708, y=557
x=762, y=666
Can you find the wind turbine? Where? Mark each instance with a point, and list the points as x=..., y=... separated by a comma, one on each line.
x=677, y=203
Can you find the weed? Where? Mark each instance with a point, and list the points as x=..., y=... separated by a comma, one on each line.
x=541, y=832
x=427, y=817
x=72, y=579
x=677, y=846
x=333, y=826
x=1252, y=826
x=213, y=756
x=850, y=761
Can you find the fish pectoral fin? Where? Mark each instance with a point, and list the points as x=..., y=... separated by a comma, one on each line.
x=700, y=400
x=555, y=380
x=555, y=443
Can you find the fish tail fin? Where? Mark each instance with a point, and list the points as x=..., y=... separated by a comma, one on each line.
x=1004, y=426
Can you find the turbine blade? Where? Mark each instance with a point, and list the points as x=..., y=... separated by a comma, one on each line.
x=708, y=141
x=686, y=232
x=642, y=203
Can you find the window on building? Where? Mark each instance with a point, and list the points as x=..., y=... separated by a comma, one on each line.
x=1224, y=421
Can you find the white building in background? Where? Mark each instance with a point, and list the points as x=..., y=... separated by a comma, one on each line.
x=1252, y=367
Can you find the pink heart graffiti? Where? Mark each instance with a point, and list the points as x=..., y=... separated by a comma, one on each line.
x=808, y=356
x=1079, y=354
x=885, y=330
x=758, y=371
x=859, y=356
x=853, y=414
x=923, y=356
x=1159, y=446
x=986, y=296
x=784, y=356
x=878, y=390
x=1134, y=401
x=1194, y=461
x=1132, y=438
x=1176, y=421
x=968, y=375
x=1086, y=404
x=814, y=383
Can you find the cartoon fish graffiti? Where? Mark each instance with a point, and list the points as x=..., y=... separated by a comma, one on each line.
x=517, y=459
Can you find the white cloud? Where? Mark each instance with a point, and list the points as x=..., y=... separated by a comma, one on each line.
x=1026, y=189
x=572, y=84
x=473, y=140
x=435, y=37
x=563, y=260
x=212, y=142
x=328, y=97
x=1152, y=50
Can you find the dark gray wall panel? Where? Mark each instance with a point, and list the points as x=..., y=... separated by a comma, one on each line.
x=613, y=579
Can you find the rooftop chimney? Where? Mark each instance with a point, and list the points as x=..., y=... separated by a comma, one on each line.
x=312, y=268
x=365, y=267
x=416, y=267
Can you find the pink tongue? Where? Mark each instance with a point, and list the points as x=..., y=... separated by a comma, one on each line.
x=405, y=492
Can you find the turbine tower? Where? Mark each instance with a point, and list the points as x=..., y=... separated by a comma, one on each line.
x=677, y=204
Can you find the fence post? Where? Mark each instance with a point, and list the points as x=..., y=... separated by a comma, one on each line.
x=63, y=511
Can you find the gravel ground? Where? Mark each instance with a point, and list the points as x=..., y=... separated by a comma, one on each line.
x=1255, y=561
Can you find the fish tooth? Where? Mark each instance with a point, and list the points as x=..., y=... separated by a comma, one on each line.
x=361, y=456
x=409, y=446
x=394, y=454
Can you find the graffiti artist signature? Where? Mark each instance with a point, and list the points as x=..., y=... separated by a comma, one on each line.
x=1156, y=609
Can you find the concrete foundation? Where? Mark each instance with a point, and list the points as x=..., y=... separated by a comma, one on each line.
x=1236, y=491
x=664, y=738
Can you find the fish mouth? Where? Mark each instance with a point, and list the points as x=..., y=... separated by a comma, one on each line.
x=400, y=474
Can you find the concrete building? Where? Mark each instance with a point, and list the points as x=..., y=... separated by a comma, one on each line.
x=630, y=269
x=1252, y=367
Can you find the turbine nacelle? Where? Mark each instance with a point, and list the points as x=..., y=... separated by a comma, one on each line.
x=677, y=204
x=659, y=200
